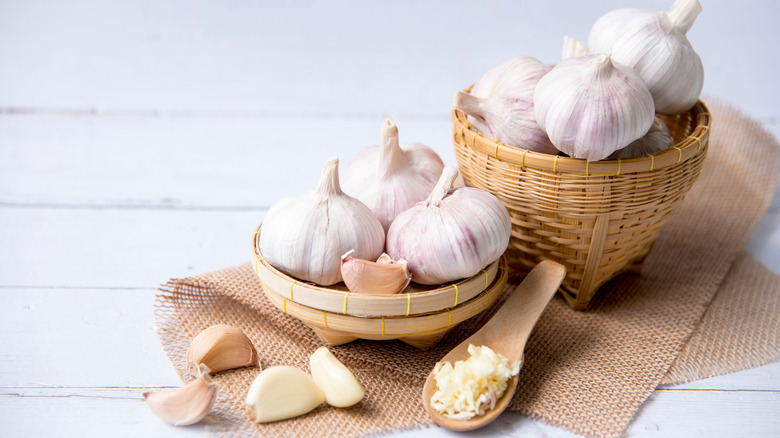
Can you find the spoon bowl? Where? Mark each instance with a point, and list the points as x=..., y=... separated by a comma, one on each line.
x=506, y=333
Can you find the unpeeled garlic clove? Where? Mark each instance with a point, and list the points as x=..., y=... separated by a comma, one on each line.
x=591, y=106
x=573, y=48
x=385, y=276
x=340, y=386
x=221, y=347
x=282, y=392
x=186, y=405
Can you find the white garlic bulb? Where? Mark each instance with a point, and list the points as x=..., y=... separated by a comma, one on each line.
x=655, y=45
x=304, y=236
x=573, y=48
x=392, y=177
x=657, y=139
x=501, y=106
x=590, y=106
x=452, y=235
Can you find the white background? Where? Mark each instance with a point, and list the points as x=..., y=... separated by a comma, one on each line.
x=145, y=140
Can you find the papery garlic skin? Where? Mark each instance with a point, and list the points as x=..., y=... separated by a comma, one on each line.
x=501, y=106
x=185, y=405
x=454, y=234
x=393, y=176
x=282, y=392
x=591, y=106
x=657, y=139
x=305, y=236
x=655, y=45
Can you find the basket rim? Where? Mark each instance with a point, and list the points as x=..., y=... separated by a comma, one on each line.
x=392, y=327
x=695, y=143
x=375, y=305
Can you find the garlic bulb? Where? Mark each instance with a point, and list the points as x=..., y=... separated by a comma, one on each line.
x=452, y=235
x=657, y=139
x=573, y=48
x=590, y=106
x=305, y=236
x=501, y=105
x=393, y=176
x=655, y=45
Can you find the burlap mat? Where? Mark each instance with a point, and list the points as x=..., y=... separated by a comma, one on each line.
x=585, y=371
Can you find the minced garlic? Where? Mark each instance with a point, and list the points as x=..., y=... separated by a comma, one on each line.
x=473, y=385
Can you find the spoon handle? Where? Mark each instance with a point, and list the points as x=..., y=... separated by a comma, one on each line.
x=523, y=308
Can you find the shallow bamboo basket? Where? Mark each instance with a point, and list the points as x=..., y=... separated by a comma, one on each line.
x=599, y=218
x=419, y=315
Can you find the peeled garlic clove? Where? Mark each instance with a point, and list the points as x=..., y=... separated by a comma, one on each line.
x=340, y=386
x=501, y=106
x=384, y=276
x=572, y=48
x=454, y=234
x=186, y=405
x=305, y=236
x=657, y=139
x=282, y=392
x=590, y=106
x=221, y=347
x=655, y=45
x=393, y=176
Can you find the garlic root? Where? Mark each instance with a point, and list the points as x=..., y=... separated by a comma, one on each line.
x=186, y=405
x=221, y=347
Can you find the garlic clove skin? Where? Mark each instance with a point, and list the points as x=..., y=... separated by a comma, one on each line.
x=573, y=48
x=340, y=386
x=657, y=139
x=393, y=176
x=186, y=405
x=454, y=234
x=501, y=106
x=591, y=106
x=655, y=45
x=304, y=236
x=221, y=347
x=384, y=276
x=282, y=392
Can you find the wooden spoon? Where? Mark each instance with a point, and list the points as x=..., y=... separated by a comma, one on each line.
x=505, y=333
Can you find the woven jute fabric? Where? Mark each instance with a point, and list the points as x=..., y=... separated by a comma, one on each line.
x=586, y=371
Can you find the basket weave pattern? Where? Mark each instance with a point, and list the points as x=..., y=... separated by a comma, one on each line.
x=598, y=219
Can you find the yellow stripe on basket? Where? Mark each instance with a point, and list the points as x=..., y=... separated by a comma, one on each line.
x=345, y=303
x=449, y=314
x=679, y=158
x=474, y=140
x=619, y=165
x=496, y=152
x=587, y=168
x=383, y=326
x=652, y=162
x=325, y=318
x=555, y=163
x=291, y=286
x=408, y=303
x=698, y=140
x=284, y=304
x=456, y=295
x=522, y=165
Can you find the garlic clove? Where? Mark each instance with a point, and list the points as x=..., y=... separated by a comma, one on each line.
x=591, y=106
x=500, y=105
x=221, y=347
x=340, y=386
x=385, y=276
x=282, y=392
x=454, y=234
x=305, y=236
x=657, y=139
x=655, y=45
x=393, y=176
x=186, y=405
x=572, y=48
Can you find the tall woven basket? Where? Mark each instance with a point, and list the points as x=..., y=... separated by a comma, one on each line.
x=599, y=218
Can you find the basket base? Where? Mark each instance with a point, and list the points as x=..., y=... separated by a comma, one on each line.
x=336, y=337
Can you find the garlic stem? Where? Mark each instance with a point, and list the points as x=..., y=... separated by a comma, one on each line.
x=329, y=180
x=603, y=67
x=469, y=104
x=392, y=156
x=444, y=185
x=683, y=13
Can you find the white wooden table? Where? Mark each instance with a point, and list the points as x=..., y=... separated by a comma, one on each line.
x=145, y=140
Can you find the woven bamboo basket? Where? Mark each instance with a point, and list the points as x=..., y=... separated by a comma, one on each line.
x=599, y=218
x=419, y=315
